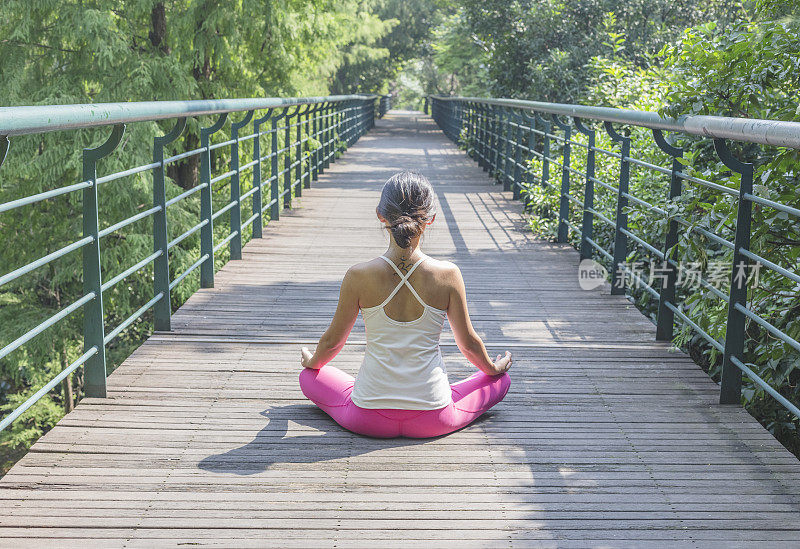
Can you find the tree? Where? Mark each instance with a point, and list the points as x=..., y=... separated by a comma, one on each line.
x=68, y=51
x=406, y=32
x=539, y=49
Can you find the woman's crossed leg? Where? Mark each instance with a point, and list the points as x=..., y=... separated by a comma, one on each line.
x=330, y=388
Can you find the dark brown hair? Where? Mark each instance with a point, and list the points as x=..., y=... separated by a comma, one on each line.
x=407, y=205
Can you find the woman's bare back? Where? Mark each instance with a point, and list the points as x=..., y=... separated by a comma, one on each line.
x=432, y=280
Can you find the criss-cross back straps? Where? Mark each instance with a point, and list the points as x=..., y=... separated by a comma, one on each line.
x=403, y=280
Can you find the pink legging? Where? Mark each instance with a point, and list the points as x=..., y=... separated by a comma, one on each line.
x=330, y=388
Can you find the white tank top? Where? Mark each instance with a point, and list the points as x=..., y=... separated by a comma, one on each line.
x=403, y=367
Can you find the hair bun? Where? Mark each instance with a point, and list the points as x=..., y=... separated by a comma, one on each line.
x=407, y=205
x=403, y=229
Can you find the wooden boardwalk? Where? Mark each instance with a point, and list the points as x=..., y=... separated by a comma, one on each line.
x=606, y=438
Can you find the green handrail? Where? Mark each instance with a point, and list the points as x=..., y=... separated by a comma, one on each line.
x=494, y=131
x=777, y=133
x=336, y=122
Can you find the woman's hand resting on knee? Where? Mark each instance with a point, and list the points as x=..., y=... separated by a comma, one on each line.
x=305, y=358
x=502, y=363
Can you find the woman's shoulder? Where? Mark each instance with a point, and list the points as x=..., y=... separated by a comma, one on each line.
x=361, y=271
x=365, y=267
x=441, y=266
x=442, y=269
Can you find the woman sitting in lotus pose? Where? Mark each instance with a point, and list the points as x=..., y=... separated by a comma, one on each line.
x=404, y=296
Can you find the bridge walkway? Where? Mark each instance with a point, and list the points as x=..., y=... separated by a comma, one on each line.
x=606, y=438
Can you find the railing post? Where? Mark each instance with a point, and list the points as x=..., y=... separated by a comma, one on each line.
x=507, y=138
x=587, y=227
x=236, y=189
x=206, y=206
x=258, y=197
x=546, y=128
x=516, y=184
x=305, y=152
x=471, y=140
x=452, y=115
x=324, y=121
x=344, y=125
x=731, y=389
x=323, y=135
x=666, y=317
x=358, y=108
x=298, y=149
x=353, y=123
x=563, y=210
x=372, y=115
x=531, y=122
x=93, y=317
x=498, y=123
x=315, y=155
x=162, y=309
x=287, y=159
x=479, y=144
x=449, y=119
x=338, y=132
x=275, y=186
x=333, y=110
x=484, y=138
x=621, y=221
x=298, y=152
x=459, y=119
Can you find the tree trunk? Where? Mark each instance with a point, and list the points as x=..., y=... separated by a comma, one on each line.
x=187, y=172
x=158, y=34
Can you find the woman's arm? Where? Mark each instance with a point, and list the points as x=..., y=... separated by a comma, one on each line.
x=335, y=336
x=468, y=341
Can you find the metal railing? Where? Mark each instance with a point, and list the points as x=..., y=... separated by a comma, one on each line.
x=384, y=104
x=519, y=141
x=302, y=137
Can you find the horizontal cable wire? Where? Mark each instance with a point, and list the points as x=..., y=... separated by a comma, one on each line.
x=129, y=271
x=30, y=334
x=188, y=271
x=6, y=278
x=131, y=319
x=43, y=196
x=47, y=388
x=187, y=234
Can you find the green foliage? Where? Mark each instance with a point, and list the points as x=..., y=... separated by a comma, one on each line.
x=454, y=63
x=541, y=49
x=57, y=52
x=400, y=33
x=747, y=69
